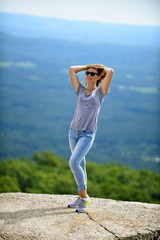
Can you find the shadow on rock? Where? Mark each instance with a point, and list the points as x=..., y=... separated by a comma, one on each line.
x=15, y=217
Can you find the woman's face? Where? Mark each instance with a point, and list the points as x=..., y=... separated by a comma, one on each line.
x=90, y=77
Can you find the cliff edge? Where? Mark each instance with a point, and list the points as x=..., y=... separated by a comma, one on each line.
x=46, y=216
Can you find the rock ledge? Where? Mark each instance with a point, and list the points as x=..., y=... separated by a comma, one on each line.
x=46, y=216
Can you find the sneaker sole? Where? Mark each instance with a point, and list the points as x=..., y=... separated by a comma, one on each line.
x=72, y=206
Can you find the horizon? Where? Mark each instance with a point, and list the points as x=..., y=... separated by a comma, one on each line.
x=138, y=13
x=83, y=21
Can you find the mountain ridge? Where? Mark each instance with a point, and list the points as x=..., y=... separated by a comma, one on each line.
x=33, y=26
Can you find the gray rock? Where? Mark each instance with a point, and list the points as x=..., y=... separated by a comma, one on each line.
x=45, y=216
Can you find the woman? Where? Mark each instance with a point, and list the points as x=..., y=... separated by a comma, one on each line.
x=84, y=124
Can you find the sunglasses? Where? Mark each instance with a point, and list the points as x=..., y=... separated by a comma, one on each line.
x=91, y=73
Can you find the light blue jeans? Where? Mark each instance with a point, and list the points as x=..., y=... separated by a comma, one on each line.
x=80, y=143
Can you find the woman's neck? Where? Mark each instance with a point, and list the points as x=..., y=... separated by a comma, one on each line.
x=91, y=87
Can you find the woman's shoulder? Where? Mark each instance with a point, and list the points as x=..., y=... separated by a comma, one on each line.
x=81, y=88
x=100, y=93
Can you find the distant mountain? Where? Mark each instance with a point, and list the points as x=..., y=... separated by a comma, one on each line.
x=32, y=26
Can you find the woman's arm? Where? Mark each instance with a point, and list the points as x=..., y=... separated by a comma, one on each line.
x=108, y=72
x=73, y=70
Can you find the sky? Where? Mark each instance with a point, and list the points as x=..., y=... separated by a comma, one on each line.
x=135, y=12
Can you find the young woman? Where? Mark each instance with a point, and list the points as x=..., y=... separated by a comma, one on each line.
x=84, y=124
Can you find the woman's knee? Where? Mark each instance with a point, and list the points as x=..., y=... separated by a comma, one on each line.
x=73, y=163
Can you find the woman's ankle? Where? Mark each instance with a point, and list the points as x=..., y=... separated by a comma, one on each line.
x=83, y=194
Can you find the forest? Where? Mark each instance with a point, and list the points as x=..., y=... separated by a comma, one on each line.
x=48, y=173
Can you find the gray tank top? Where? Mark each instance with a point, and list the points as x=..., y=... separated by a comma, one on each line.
x=87, y=109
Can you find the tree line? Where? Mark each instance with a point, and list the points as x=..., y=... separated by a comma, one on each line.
x=49, y=173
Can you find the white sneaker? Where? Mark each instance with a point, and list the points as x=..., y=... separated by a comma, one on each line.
x=83, y=204
x=75, y=203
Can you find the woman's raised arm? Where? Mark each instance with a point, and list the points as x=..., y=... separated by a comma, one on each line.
x=108, y=72
x=73, y=70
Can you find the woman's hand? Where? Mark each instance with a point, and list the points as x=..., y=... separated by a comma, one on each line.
x=103, y=74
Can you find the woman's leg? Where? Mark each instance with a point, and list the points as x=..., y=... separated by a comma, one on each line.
x=83, y=165
x=73, y=139
x=81, y=149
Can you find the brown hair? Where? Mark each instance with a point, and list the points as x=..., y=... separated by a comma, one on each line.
x=99, y=68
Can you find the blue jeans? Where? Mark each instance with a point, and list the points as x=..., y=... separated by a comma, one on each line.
x=80, y=143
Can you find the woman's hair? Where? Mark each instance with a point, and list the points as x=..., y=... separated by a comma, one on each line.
x=99, y=68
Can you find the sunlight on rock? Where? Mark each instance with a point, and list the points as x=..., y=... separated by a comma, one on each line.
x=46, y=216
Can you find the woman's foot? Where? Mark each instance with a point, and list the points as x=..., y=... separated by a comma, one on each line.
x=75, y=203
x=83, y=204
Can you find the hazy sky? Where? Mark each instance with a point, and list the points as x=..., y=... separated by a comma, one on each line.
x=137, y=12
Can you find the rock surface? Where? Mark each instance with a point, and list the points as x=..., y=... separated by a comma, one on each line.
x=45, y=216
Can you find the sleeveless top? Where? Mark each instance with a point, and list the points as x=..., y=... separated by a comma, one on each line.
x=87, y=109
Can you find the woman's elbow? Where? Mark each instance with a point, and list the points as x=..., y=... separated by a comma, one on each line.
x=111, y=71
x=71, y=67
